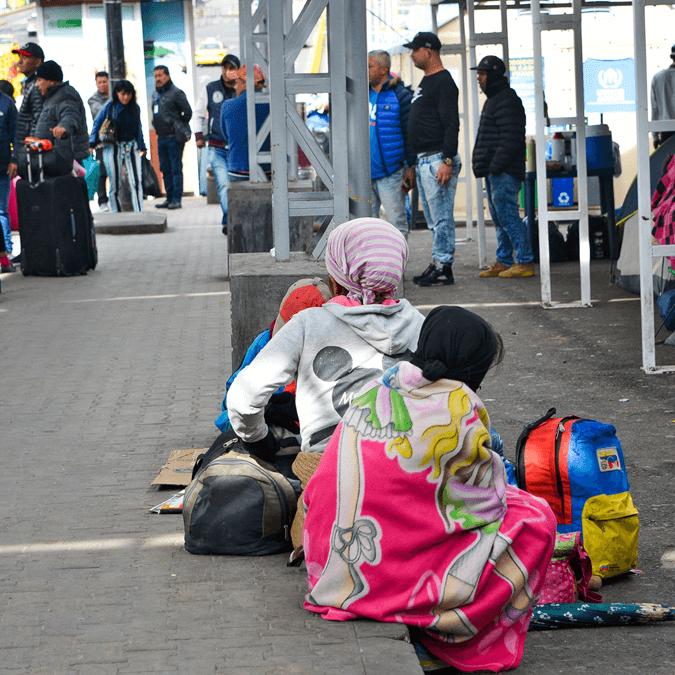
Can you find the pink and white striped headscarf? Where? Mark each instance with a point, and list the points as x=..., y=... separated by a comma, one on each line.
x=367, y=256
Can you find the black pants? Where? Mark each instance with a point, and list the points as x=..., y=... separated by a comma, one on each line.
x=102, y=194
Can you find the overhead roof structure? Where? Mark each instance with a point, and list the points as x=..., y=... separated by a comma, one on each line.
x=346, y=172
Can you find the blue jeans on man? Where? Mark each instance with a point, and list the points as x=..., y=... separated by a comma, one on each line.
x=170, y=153
x=502, y=193
x=438, y=204
x=388, y=192
x=5, y=185
x=218, y=162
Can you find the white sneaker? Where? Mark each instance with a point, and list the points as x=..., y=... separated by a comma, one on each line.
x=103, y=208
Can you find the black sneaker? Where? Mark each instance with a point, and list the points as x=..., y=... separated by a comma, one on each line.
x=174, y=205
x=429, y=271
x=163, y=205
x=9, y=268
x=438, y=277
x=16, y=259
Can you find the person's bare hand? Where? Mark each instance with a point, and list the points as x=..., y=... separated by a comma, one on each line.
x=143, y=153
x=59, y=132
x=411, y=178
x=12, y=170
x=444, y=174
x=201, y=143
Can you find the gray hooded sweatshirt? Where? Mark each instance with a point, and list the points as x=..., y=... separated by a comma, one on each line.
x=331, y=352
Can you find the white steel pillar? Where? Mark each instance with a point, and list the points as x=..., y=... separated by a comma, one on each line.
x=540, y=23
x=500, y=37
x=648, y=251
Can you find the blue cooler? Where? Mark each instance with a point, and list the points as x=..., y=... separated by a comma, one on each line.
x=599, y=152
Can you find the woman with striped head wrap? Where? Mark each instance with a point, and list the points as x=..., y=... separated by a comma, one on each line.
x=333, y=350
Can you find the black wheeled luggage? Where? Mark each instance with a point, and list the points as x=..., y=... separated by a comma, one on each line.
x=56, y=227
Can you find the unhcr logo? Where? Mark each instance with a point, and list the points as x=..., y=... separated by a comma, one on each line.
x=610, y=78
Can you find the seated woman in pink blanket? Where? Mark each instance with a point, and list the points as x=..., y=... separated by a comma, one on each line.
x=409, y=518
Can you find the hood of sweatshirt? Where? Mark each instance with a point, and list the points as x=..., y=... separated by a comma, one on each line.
x=391, y=329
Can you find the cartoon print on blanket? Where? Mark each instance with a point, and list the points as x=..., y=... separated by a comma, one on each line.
x=409, y=519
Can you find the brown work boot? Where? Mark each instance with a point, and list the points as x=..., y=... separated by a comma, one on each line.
x=518, y=270
x=494, y=270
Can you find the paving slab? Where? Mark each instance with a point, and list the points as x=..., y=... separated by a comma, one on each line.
x=130, y=222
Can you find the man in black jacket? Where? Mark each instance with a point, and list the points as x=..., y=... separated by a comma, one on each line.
x=30, y=57
x=171, y=115
x=433, y=133
x=499, y=157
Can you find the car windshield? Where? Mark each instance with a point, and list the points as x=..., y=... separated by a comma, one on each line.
x=210, y=45
x=6, y=40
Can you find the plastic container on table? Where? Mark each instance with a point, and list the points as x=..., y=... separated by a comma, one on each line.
x=599, y=152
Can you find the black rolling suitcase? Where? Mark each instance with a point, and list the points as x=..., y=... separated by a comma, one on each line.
x=55, y=223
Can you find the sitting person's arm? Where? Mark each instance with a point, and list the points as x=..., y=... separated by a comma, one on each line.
x=276, y=365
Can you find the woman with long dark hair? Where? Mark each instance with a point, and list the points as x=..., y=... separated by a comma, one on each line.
x=124, y=152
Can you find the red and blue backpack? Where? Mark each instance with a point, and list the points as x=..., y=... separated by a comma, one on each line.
x=577, y=466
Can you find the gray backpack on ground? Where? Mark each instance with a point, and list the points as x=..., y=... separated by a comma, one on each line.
x=238, y=505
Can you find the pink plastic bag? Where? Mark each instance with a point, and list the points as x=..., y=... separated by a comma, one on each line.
x=568, y=573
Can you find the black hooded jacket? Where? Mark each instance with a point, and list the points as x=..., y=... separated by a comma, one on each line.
x=500, y=142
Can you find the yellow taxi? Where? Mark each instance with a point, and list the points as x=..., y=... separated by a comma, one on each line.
x=7, y=43
x=210, y=52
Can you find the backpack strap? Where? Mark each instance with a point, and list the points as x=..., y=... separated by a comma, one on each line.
x=520, y=446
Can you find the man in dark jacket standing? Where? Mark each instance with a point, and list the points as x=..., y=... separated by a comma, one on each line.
x=433, y=133
x=30, y=57
x=209, y=131
x=390, y=154
x=62, y=118
x=499, y=157
x=171, y=115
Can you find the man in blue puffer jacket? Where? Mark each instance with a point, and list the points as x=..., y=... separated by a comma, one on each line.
x=390, y=154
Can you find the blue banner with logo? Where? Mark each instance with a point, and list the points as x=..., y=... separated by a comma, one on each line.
x=609, y=86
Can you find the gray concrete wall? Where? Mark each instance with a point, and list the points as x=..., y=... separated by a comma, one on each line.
x=249, y=219
x=257, y=285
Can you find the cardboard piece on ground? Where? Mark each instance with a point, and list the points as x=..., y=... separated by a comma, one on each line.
x=178, y=468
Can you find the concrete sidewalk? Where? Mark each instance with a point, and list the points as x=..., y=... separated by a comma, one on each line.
x=104, y=375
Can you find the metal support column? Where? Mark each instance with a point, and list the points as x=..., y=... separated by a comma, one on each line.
x=113, y=25
x=541, y=23
x=255, y=52
x=501, y=38
x=346, y=173
x=459, y=49
x=648, y=250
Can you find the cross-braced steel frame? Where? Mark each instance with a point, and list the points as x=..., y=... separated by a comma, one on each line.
x=345, y=170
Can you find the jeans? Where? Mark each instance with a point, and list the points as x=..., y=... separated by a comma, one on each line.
x=387, y=191
x=502, y=192
x=118, y=156
x=203, y=161
x=5, y=185
x=218, y=162
x=170, y=153
x=438, y=204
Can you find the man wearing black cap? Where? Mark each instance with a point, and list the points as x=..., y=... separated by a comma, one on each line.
x=208, y=128
x=499, y=157
x=663, y=99
x=433, y=133
x=30, y=57
x=62, y=117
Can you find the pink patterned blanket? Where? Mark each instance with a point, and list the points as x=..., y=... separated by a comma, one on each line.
x=409, y=519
